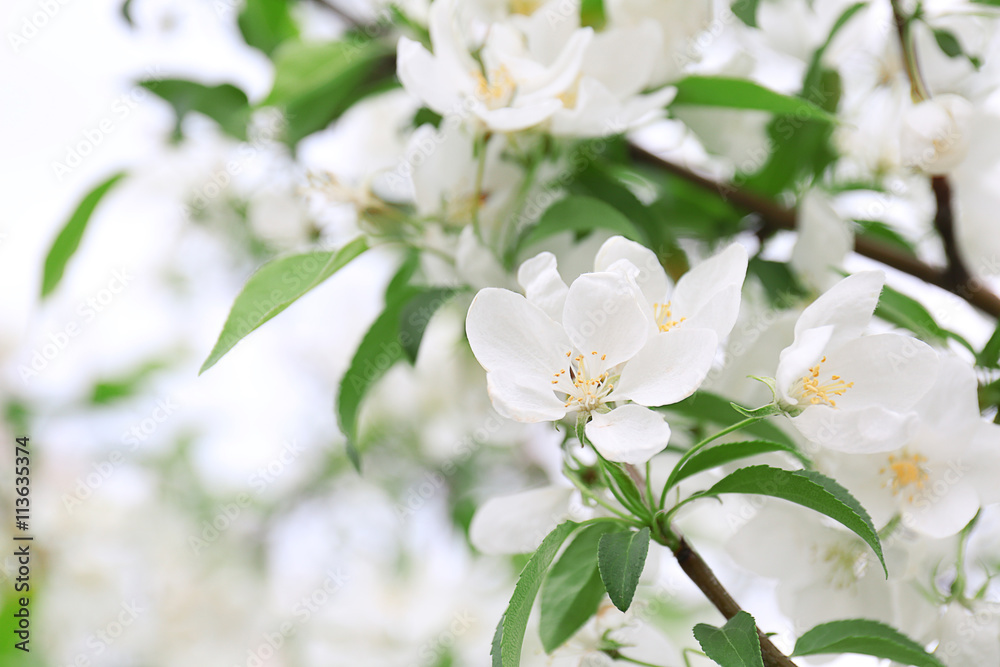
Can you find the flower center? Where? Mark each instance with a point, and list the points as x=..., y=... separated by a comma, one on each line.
x=584, y=387
x=525, y=7
x=845, y=563
x=903, y=471
x=664, y=320
x=816, y=391
x=497, y=91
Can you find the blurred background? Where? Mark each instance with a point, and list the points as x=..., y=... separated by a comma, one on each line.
x=185, y=520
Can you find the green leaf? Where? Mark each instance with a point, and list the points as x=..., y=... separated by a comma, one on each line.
x=274, y=287
x=802, y=149
x=592, y=14
x=903, y=311
x=735, y=644
x=393, y=336
x=990, y=354
x=225, y=103
x=948, y=43
x=732, y=93
x=881, y=232
x=783, y=289
x=510, y=632
x=580, y=214
x=625, y=487
x=621, y=558
x=267, y=23
x=108, y=391
x=727, y=452
x=573, y=589
x=416, y=315
x=704, y=406
x=746, y=11
x=867, y=638
x=989, y=395
x=69, y=237
x=809, y=489
x=317, y=82
x=607, y=182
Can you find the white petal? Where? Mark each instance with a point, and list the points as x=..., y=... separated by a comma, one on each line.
x=941, y=509
x=603, y=314
x=980, y=463
x=890, y=370
x=542, y=284
x=514, y=119
x=652, y=279
x=475, y=264
x=796, y=359
x=623, y=59
x=709, y=293
x=861, y=431
x=508, y=333
x=424, y=76
x=561, y=74
x=523, y=399
x=935, y=134
x=669, y=368
x=848, y=306
x=518, y=523
x=628, y=434
x=824, y=240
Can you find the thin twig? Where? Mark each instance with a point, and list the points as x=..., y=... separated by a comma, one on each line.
x=776, y=216
x=701, y=574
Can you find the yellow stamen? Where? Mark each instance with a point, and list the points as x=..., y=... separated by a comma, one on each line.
x=818, y=393
x=905, y=470
x=661, y=311
x=498, y=90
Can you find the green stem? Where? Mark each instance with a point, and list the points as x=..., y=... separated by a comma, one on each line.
x=904, y=27
x=615, y=655
x=587, y=493
x=698, y=447
x=509, y=244
x=478, y=188
x=649, y=486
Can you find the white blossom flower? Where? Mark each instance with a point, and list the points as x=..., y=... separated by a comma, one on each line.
x=597, y=345
x=706, y=297
x=968, y=637
x=825, y=573
x=849, y=392
x=944, y=472
x=935, y=135
x=510, y=91
x=534, y=69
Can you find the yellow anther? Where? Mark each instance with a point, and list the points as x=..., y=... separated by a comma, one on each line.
x=661, y=311
x=817, y=392
x=904, y=471
x=498, y=90
x=525, y=7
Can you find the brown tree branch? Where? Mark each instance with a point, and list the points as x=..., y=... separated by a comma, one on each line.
x=701, y=574
x=776, y=216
